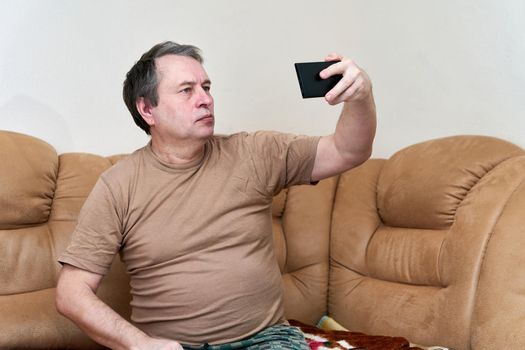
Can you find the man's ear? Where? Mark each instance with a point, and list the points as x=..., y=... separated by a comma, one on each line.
x=145, y=109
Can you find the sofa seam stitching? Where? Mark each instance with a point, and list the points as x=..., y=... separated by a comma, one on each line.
x=330, y=229
x=287, y=193
x=48, y=228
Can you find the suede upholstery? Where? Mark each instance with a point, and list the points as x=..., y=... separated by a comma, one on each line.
x=426, y=245
x=411, y=242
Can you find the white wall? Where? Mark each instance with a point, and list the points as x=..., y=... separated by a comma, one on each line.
x=438, y=67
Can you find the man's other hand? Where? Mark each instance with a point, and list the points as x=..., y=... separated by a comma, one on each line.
x=158, y=344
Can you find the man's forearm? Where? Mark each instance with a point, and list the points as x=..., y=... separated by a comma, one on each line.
x=76, y=300
x=97, y=319
x=355, y=130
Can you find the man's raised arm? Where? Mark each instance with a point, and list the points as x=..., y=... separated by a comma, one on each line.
x=351, y=144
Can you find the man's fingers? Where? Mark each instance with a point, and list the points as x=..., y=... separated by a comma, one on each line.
x=333, y=57
x=354, y=84
x=334, y=69
x=341, y=90
x=356, y=90
x=351, y=93
x=350, y=74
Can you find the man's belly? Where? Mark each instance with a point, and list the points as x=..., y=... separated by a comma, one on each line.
x=215, y=297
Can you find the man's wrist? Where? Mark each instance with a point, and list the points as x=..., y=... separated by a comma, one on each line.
x=139, y=341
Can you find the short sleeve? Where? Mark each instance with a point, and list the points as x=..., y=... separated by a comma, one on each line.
x=97, y=237
x=282, y=160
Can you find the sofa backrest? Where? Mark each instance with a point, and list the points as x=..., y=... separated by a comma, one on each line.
x=421, y=242
x=41, y=194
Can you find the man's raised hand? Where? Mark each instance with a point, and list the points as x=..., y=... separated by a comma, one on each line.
x=355, y=84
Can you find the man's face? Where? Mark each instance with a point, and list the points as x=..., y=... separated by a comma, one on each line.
x=185, y=106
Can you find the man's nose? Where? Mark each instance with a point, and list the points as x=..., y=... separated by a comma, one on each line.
x=204, y=97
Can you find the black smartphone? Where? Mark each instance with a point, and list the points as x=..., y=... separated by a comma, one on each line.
x=311, y=83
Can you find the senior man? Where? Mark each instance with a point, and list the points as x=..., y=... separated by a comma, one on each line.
x=189, y=213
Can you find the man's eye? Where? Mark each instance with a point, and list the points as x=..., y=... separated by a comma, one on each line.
x=206, y=88
x=186, y=90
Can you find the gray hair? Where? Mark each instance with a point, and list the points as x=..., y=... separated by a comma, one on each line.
x=142, y=79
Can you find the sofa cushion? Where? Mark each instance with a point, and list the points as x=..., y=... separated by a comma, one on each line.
x=27, y=180
x=301, y=228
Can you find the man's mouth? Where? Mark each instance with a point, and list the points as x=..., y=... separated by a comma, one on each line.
x=205, y=118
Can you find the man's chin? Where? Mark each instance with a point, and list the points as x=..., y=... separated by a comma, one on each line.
x=205, y=134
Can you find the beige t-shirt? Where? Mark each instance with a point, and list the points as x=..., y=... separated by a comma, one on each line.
x=195, y=239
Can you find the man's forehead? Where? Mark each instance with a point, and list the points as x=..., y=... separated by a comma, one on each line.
x=180, y=68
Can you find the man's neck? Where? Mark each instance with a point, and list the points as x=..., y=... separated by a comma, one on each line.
x=178, y=153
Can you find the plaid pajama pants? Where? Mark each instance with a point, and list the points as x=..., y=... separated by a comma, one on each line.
x=278, y=337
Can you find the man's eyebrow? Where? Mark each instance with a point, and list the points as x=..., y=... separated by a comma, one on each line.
x=191, y=82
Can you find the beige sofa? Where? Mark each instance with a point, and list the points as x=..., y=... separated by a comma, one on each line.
x=428, y=245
